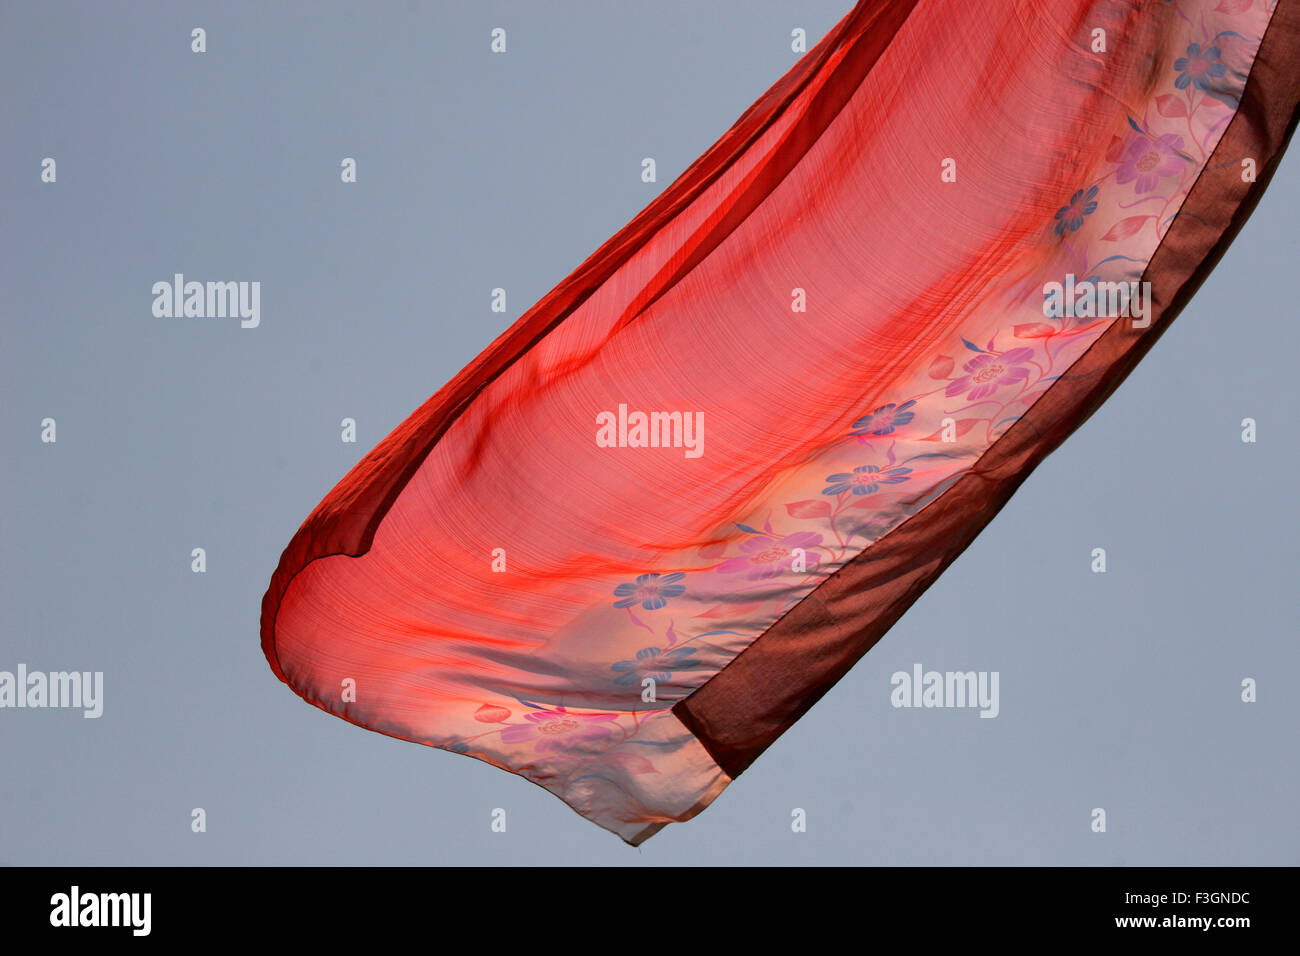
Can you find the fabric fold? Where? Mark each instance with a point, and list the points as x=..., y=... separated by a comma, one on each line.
x=667, y=510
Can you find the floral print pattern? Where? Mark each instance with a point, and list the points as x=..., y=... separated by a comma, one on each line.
x=651, y=591
x=1199, y=67
x=885, y=419
x=1147, y=161
x=988, y=372
x=561, y=730
x=932, y=430
x=652, y=662
x=765, y=556
x=865, y=480
x=1071, y=215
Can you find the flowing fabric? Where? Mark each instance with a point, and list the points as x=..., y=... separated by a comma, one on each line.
x=659, y=517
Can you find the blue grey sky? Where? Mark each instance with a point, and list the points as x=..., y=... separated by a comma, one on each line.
x=1120, y=690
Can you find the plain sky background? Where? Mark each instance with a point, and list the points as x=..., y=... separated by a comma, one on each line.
x=1119, y=690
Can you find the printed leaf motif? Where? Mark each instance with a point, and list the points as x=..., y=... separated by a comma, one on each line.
x=731, y=610
x=941, y=367
x=1033, y=330
x=492, y=714
x=866, y=501
x=1233, y=6
x=714, y=549
x=1170, y=105
x=1125, y=228
x=1115, y=150
x=809, y=509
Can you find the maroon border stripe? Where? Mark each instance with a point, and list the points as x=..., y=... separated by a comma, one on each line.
x=747, y=705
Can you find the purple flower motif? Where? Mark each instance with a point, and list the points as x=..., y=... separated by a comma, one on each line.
x=1147, y=160
x=986, y=372
x=558, y=731
x=865, y=480
x=1070, y=216
x=768, y=556
x=1201, y=67
x=651, y=591
x=884, y=419
x=652, y=662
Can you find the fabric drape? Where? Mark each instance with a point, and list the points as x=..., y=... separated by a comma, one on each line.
x=661, y=515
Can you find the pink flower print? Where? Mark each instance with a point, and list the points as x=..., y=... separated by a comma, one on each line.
x=986, y=373
x=768, y=556
x=560, y=731
x=1148, y=160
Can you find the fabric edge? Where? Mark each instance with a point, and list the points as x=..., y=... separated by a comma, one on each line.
x=723, y=715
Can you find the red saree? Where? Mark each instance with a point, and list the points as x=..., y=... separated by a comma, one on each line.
x=657, y=519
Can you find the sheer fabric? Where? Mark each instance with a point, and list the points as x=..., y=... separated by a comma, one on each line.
x=635, y=539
